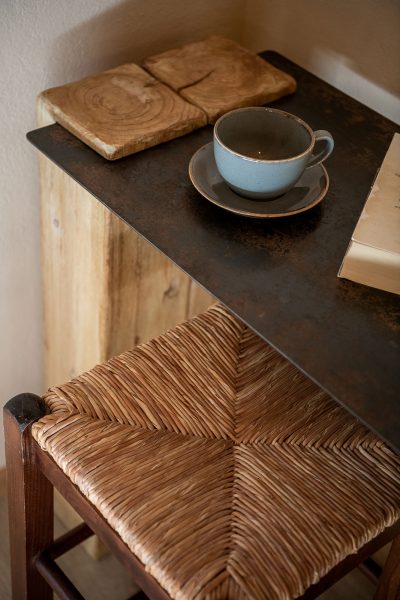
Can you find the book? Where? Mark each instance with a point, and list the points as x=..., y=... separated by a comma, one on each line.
x=373, y=255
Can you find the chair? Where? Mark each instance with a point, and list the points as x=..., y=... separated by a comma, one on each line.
x=209, y=465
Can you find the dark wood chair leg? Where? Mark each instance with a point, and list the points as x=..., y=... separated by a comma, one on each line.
x=389, y=581
x=30, y=499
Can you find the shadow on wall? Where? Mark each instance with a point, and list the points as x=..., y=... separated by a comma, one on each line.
x=134, y=29
x=353, y=45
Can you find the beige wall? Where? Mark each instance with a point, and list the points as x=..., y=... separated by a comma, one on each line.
x=353, y=44
x=46, y=43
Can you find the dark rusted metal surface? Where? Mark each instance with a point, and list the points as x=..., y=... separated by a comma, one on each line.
x=279, y=277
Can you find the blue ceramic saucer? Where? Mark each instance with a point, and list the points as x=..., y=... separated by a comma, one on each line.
x=309, y=190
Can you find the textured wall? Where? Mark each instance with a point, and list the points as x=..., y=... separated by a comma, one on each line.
x=46, y=43
x=355, y=45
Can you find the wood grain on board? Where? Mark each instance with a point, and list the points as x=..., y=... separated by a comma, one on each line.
x=218, y=75
x=122, y=111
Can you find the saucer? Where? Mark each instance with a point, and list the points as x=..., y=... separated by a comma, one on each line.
x=309, y=190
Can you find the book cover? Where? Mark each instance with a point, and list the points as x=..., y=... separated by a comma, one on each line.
x=373, y=255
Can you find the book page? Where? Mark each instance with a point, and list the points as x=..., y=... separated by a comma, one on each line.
x=371, y=266
x=379, y=223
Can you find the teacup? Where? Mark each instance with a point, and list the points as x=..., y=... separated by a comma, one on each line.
x=262, y=152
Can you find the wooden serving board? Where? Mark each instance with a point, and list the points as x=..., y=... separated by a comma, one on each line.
x=127, y=109
x=218, y=75
x=121, y=111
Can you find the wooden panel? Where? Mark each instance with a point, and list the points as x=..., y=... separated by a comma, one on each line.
x=162, y=292
x=198, y=301
x=219, y=75
x=74, y=262
x=121, y=309
x=121, y=111
x=105, y=288
x=147, y=293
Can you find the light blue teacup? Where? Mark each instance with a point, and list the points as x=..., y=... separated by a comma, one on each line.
x=262, y=152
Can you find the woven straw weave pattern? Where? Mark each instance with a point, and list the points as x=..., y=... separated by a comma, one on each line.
x=225, y=471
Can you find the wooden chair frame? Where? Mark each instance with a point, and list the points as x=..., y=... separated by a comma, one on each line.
x=32, y=474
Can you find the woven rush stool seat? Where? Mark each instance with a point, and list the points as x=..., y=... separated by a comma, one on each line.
x=226, y=472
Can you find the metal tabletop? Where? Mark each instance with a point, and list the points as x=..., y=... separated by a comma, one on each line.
x=278, y=276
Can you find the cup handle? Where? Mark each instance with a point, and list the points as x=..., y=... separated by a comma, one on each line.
x=323, y=136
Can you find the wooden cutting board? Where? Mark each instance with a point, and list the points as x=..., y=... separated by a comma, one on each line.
x=129, y=108
x=121, y=111
x=218, y=75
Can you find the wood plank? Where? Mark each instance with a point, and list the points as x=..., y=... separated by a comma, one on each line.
x=121, y=309
x=122, y=111
x=162, y=292
x=218, y=75
x=30, y=512
x=74, y=265
x=105, y=288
